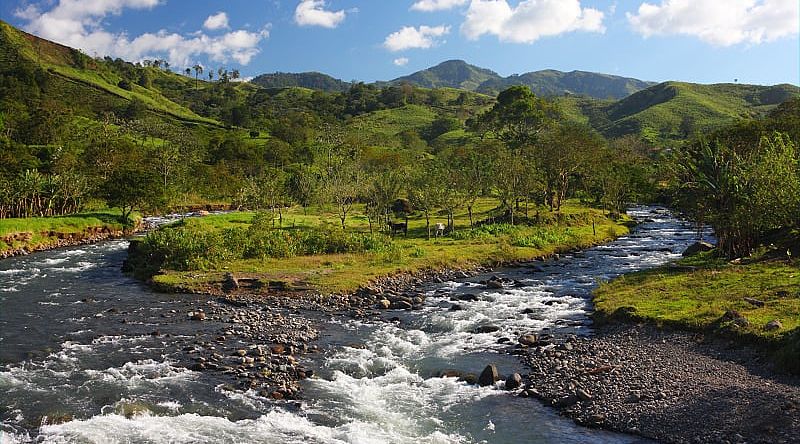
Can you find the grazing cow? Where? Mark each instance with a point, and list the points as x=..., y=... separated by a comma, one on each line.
x=439, y=229
x=400, y=227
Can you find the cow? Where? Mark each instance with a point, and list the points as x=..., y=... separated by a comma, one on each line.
x=439, y=229
x=400, y=227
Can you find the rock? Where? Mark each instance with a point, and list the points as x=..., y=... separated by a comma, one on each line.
x=735, y=318
x=450, y=373
x=277, y=349
x=528, y=340
x=456, y=307
x=697, y=247
x=494, y=284
x=241, y=352
x=755, y=302
x=402, y=305
x=231, y=283
x=596, y=419
x=583, y=395
x=514, y=381
x=566, y=401
x=486, y=329
x=197, y=315
x=469, y=378
x=773, y=325
x=384, y=304
x=488, y=376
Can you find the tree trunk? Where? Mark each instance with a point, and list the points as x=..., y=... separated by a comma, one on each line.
x=428, y=224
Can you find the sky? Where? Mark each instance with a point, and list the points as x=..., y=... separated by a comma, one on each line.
x=704, y=41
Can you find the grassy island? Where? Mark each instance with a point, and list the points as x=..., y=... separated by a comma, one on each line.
x=312, y=251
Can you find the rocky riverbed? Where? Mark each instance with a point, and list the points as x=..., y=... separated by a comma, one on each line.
x=672, y=386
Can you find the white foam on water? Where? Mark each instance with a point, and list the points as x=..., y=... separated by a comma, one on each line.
x=79, y=267
x=55, y=260
x=133, y=374
x=276, y=426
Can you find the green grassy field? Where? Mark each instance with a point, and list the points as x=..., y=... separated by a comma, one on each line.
x=39, y=228
x=348, y=271
x=695, y=294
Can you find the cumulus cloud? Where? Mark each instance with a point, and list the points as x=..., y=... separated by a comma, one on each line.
x=530, y=20
x=216, y=21
x=436, y=5
x=78, y=23
x=719, y=22
x=401, y=61
x=409, y=37
x=313, y=13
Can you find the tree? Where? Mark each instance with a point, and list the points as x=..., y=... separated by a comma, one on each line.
x=130, y=188
x=188, y=71
x=741, y=192
x=424, y=192
x=562, y=153
x=198, y=69
x=472, y=170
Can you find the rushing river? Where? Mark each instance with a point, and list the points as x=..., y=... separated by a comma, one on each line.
x=87, y=354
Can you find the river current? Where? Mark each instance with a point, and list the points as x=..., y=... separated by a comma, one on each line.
x=87, y=354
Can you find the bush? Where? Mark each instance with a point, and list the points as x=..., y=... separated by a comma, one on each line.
x=191, y=248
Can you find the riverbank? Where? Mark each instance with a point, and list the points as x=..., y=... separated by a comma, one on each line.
x=668, y=385
x=24, y=236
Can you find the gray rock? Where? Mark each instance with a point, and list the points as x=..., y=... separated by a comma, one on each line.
x=697, y=247
x=488, y=376
x=753, y=301
x=486, y=329
x=514, y=381
x=773, y=325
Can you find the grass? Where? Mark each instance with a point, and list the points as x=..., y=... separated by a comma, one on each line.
x=697, y=293
x=41, y=228
x=347, y=272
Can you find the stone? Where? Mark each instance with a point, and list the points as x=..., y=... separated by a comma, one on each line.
x=514, y=381
x=697, y=247
x=197, y=315
x=494, y=284
x=277, y=349
x=583, y=395
x=384, y=304
x=402, y=305
x=469, y=378
x=488, y=376
x=753, y=301
x=450, y=373
x=773, y=325
x=486, y=329
x=735, y=318
x=528, y=340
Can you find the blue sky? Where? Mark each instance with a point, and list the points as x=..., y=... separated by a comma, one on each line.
x=707, y=41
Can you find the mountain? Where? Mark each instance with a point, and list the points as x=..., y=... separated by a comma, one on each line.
x=451, y=74
x=460, y=74
x=555, y=83
x=310, y=80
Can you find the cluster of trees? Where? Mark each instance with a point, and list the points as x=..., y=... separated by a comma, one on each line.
x=521, y=151
x=743, y=180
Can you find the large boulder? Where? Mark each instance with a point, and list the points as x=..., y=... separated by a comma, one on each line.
x=697, y=247
x=513, y=382
x=488, y=376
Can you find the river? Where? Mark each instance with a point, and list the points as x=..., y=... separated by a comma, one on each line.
x=87, y=354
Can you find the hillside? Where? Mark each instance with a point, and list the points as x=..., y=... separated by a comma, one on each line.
x=89, y=85
x=674, y=110
x=310, y=80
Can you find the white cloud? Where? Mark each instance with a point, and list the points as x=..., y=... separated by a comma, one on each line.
x=409, y=37
x=530, y=20
x=78, y=23
x=401, y=61
x=313, y=13
x=436, y=5
x=216, y=21
x=719, y=22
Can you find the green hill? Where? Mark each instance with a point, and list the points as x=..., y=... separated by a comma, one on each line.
x=89, y=84
x=674, y=110
x=310, y=80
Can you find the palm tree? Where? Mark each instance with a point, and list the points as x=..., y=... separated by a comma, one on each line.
x=198, y=69
x=188, y=71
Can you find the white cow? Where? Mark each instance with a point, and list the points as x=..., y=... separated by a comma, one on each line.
x=439, y=229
